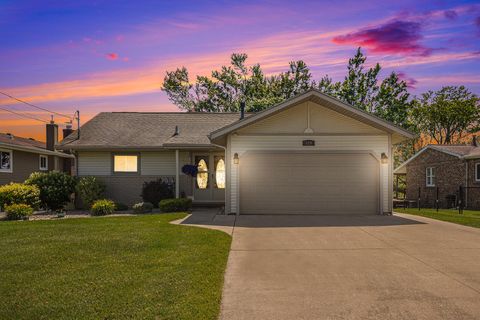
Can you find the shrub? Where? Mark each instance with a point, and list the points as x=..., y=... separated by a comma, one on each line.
x=18, y=211
x=55, y=188
x=102, y=207
x=120, y=206
x=90, y=189
x=156, y=190
x=175, y=205
x=142, y=207
x=16, y=193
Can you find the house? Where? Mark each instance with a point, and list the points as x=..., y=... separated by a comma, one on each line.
x=311, y=154
x=442, y=169
x=19, y=157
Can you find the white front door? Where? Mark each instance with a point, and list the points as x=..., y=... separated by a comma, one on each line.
x=209, y=184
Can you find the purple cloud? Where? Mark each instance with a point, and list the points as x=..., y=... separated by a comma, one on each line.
x=408, y=80
x=450, y=14
x=398, y=37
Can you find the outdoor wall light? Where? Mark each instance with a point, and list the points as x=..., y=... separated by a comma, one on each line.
x=236, y=160
x=384, y=158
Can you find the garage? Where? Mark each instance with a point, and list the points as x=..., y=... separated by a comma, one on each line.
x=309, y=183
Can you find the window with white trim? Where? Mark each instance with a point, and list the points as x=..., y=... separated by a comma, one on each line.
x=125, y=163
x=43, y=162
x=477, y=172
x=6, y=161
x=430, y=176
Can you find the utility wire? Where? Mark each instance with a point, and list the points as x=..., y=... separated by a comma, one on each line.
x=32, y=105
x=23, y=115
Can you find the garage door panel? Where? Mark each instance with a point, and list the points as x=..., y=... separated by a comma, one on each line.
x=289, y=183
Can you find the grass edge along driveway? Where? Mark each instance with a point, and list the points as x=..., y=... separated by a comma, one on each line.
x=468, y=218
x=111, y=268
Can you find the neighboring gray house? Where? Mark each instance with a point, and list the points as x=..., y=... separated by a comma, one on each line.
x=311, y=154
x=19, y=157
x=446, y=168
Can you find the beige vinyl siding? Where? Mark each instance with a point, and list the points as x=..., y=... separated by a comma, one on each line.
x=98, y=163
x=241, y=144
x=322, y=120
x=161, y=163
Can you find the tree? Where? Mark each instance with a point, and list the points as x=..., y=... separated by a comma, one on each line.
x=390, y=100
x=447, y=115
x=226, y=88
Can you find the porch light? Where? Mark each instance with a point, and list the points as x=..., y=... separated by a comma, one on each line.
x=384, y=158
x=236, y=160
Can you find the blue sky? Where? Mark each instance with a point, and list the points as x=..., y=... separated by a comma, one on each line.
x=112, y=55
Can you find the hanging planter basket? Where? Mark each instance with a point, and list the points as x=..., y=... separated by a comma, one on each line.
x=190, y=169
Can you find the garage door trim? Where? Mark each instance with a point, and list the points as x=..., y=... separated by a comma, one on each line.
x=372, y=153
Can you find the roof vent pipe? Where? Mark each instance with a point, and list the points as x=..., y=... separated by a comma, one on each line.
x=177, y=131
x=242, y=110
x=474, y=141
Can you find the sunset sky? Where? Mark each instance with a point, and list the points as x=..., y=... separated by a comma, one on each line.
x=112, y=55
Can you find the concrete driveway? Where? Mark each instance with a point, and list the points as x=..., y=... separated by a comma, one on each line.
x=375, y=267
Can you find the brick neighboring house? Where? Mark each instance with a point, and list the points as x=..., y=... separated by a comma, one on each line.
x=19, y=157
x=446, y=167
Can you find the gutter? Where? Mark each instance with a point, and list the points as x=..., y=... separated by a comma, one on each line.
x=35, y=150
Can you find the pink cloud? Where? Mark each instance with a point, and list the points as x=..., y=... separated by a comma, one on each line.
x=112, y=56
x=394, y=37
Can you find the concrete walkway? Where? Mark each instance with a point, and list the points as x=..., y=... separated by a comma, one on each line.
x=330, y=267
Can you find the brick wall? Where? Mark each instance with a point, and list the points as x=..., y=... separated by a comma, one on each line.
x=473, y=194
x=449, y=172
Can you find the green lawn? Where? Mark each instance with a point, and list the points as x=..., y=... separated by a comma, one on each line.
x=468, y=218
x=138, y=267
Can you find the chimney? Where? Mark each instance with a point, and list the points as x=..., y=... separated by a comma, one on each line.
x=68, y=130
x=242, y=110
x=52, y=135
x=474, y=141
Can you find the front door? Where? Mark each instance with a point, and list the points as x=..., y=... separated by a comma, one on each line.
x=209, y=184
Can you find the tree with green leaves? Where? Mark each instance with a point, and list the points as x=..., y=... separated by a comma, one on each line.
x=226, y=88
x=447, y=115
x=390, y=100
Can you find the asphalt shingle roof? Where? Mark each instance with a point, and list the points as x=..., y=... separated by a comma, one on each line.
x=461, y=150
x=20, y=141
x=147, y=129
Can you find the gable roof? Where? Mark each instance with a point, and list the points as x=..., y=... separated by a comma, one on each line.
x=399, y=134
x=11, y=141
x=147, y=130
x=460, y=151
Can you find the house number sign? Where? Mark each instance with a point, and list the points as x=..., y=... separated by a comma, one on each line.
x=308, y=143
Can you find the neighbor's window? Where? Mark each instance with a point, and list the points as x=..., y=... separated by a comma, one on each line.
x=430, y=177
x=5, y=161
x=477, y=171
x=43, y=162
x=125, y=163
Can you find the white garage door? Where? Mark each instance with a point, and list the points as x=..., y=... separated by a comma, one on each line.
x=309, y=183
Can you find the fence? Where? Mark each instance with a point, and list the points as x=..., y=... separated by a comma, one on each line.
x=458, y=200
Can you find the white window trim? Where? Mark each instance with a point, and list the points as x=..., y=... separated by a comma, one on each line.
x=11, y=161
x=477, y=171
x=40, y=162
x=432, y=176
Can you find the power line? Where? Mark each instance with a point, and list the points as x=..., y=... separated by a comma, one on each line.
x=23, y=115
x=32, y=105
